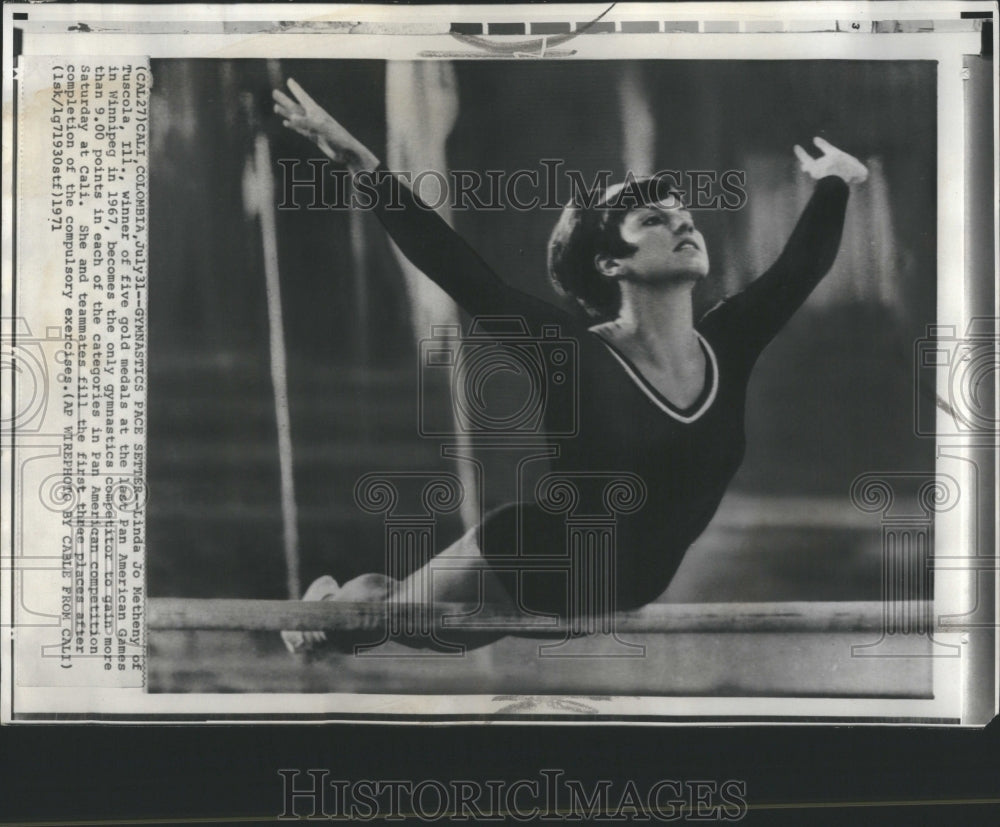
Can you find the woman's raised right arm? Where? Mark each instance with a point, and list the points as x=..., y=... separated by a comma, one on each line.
x=422, y=235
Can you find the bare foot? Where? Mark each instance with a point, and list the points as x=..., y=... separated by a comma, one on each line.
x=323, y=588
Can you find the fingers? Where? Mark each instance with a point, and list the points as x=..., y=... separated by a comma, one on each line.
x=805, y=159
x=842, y=163
x=285, y=106
x=302, y=641
x=300, y=123
x=293, y=641
x=300, y=94
x=283, y=100
x=824, y=145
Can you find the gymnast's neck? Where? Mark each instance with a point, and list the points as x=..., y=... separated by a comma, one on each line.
x=655, y=323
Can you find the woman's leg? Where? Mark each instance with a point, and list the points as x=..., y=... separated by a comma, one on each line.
x=455, y=575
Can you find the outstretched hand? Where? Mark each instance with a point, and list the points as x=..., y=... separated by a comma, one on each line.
x=311, y=120
x=833, y=161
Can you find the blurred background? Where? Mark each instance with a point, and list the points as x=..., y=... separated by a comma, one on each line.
x=832, y=397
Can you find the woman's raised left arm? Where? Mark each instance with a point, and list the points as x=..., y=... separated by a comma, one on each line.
x=758, y=312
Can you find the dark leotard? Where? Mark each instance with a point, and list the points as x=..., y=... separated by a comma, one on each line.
x=685, y=458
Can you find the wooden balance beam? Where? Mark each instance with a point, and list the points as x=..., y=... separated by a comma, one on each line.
x=789, y=649
x=658, y=618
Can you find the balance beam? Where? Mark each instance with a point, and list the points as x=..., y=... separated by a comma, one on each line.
x=175, y=613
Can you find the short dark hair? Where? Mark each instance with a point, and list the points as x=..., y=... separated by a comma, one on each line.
x=590, y=225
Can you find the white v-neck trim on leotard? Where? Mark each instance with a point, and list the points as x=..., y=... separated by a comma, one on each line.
x=655, y=396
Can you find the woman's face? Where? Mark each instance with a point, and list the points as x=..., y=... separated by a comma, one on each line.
x=668, y=245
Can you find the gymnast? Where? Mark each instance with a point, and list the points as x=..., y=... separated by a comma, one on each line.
x=662, y=394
